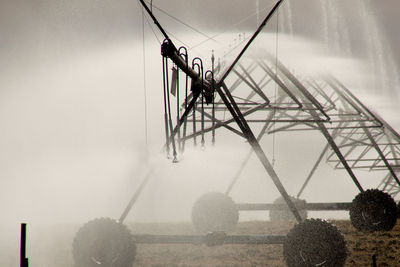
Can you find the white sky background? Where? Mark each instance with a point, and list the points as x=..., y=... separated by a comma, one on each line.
x=72, y=144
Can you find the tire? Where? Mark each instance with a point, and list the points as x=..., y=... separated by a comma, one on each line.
x=398, y=210
x=104, y=242
x=314, y=242
x=286, y=214
x=373, y=210
x=214, y=212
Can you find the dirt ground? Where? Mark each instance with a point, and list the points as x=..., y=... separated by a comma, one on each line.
x=51, y=246
x=361, y=247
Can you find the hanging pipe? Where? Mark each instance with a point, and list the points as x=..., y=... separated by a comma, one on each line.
x=172, y=138
x=194, y=66
x=199, y=65
x=184, y=55
x=164, y=59
x=210, y=77
x=178, y=109
x=213, y=100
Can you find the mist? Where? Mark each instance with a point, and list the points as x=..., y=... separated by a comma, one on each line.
x=75, y=143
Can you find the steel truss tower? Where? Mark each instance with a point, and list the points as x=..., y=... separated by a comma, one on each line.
x=273, y=99
x=255, y=96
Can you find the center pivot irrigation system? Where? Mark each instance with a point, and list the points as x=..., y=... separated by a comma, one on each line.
x=263, y=96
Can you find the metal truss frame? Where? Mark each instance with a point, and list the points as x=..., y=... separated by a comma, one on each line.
x=263, y=97
x=357, y=138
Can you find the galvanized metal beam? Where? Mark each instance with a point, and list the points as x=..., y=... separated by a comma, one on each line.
x=211, y=239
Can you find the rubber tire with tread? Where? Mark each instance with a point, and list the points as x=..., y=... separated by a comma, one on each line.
x=373, y=210
x=214, y=212
x=314, y=242
x=104, y=242
x=398, y=210
x=286, y=214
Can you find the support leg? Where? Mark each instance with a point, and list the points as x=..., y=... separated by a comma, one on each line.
x=237, y=115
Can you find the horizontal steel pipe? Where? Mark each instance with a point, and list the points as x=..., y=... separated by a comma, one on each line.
x=204, y=239
x=306, y=206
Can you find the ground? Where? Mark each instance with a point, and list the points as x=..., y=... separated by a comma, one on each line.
x=51, y=246
x=361, y=248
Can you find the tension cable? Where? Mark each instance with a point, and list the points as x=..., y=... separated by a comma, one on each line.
x=181, y=22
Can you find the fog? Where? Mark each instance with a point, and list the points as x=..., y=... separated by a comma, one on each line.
x=75, y=144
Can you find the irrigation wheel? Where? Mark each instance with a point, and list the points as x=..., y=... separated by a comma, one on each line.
x=314, y=242
x=215, y=212
x=373, y=210
x=398, y=210
x=104, y=242
x=286, y=214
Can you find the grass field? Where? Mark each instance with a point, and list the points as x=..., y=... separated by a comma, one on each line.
x=51, y=246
